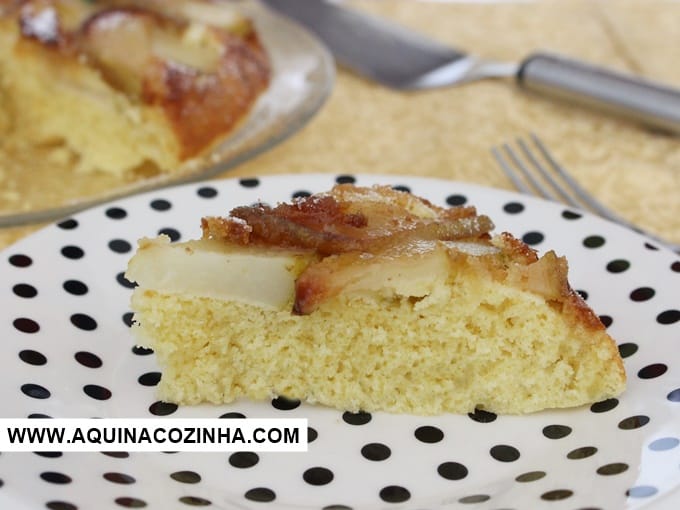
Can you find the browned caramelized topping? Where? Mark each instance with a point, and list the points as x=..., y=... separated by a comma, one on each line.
x=354, y=230
x=348, y=219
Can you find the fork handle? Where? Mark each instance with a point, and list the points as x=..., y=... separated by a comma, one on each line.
x=650, y=103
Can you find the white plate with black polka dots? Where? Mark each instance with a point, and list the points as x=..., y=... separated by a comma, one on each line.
x=66, y=351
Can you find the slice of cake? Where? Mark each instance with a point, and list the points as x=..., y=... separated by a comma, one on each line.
x=126, y=87
x=368, y=299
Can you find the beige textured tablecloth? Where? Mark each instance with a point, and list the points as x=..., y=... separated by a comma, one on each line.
x=448, y=132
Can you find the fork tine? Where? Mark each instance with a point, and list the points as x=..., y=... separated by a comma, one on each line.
x=507, y=170
x=578, y=190
x=575, y=187
x=527, y=173
x=529, y=155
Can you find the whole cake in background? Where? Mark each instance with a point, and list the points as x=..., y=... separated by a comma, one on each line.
x=118, y=87
x=368, y=299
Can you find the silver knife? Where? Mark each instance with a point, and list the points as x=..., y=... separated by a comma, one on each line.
x=403, y=59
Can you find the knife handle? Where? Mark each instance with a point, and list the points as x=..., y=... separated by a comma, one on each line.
x=649, y=103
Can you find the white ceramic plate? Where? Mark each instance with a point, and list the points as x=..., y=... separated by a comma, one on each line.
x=64, y=328
x=303, y=74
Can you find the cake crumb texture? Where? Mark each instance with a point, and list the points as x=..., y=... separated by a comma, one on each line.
x=473, y=342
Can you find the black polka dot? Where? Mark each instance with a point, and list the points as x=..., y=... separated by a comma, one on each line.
x=54, y=477
x=195, y=501
x=556, y=431
x=455, y=200
x=186, y=476
x=20, y=260
x=116, y=213
x=628, y=349
x=641, y=491
x=475, y=498
x=127, y=318
x=582, y=453
x=38, y=416
x=345, y=179
x=128, y=502
x=68, y=224
x=652, y=371
x=72, y=252
x=261, y=494
x=206, y=192
x=642, y=294
x=504, y=453
x=160, y=205
x=24, y=290
x=675, y=266
x=117, y=455
x=120, y=478
x=243, y=459
x=337, y=507
x=612, y=469
x=141, y=351
x=668, y=317
x=674, y=396
x=249, y=183
x=233, y=415
x=482, y=416
x=97, y=392
x=360, y=418
x=60, y=505
x=376, y=451
x=285, y=404
x=312, y=434
x=556, y=495
x=513, y=207
x=531, y=476
x=593, y=241
x=401, y=187
x=634, y=422
x=651, y=247
x=394, y=494
x=583, y=294
x=606, y=320
x=429, y=434
x=533, y=238
x=32, y=357
x=149, y=379
x=35, y=391
x=571, y=215
x=618, y=266
x=49, y=455
x=75, y=287
x=452, y=470
x=83, y=321
x=172, y=233
x=119, y=246
x=301, y=194
x=120, y=278
x=318, y=476
x=160, y=408
x=26, y=325
x=604, y=405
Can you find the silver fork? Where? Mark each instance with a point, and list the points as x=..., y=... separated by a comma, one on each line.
x=530, y=175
